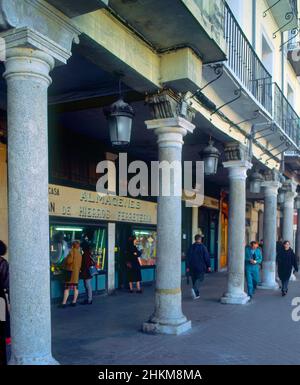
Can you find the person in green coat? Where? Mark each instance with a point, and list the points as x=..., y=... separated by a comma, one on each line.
x=253, y=259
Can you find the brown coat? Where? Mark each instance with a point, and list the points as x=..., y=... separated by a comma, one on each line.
x=73, y=263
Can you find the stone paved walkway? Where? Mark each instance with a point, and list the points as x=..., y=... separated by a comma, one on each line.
x=261, y=332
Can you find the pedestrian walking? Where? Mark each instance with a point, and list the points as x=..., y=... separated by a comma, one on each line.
x=4, y=304
x=72, y=265
x=253, y=259
x=88, y=269
x=133, y=265
x=286, y=261
x=197, y=264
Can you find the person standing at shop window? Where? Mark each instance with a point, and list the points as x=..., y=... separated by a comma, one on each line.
x=87, y=263
x=4, y=305
x=72, y=265
x=286, y=260
x=133, y=265
x=197, y=264
x=253, y=258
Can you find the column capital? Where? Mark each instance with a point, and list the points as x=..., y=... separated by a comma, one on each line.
x=237, y=168
x=170, y=131
x=168, y=104
x=271, y=187
x=236, y=151
x=26, y=62
x=290, y=186
x=49, y=30
x=28, y=38
x=290, y=192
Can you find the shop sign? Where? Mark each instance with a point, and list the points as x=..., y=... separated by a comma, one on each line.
x=75, y=203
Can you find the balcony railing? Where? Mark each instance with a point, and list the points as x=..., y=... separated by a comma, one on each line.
x=248, y=68
x=285, y=116
x=244, y=62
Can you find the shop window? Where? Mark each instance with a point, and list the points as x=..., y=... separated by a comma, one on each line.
x=62, y=236
x=147, y=244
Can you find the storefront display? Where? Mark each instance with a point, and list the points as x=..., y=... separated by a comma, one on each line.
x=61, y=238
x=77, y=214
x=147, y=244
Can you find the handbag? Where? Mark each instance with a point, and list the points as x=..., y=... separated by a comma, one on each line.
x=93, y=271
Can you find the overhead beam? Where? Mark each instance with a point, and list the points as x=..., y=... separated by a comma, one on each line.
x=112, y=46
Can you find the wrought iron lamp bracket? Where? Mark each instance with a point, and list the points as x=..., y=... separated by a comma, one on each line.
x=218, y=70
x=294, y=32
x=287, y=146
x=255, y=116
x=288, y=16
x=268, y=9
x=237, y=92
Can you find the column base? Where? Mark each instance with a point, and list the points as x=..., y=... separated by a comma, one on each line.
x=158, y=328
x=235, y=299
x=46, y=360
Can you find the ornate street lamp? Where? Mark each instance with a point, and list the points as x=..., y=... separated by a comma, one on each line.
x=210, y=155
x=119, y=116
x=255, y=180
x=281, y=195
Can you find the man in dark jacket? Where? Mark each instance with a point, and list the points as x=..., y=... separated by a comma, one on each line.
x=4, y=286
x=198, y=263
x=286, y=260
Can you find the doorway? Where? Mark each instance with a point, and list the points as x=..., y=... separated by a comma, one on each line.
x=208, y=224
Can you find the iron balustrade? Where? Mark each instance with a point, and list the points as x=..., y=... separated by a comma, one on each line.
x=254, y=77
x=244, y=62
x=285, y=116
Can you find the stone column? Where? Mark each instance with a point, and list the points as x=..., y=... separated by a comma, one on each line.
x=111, y=258
x=235, y=293
x=168, y=317
x=30, y=56
x=288, y=215
x=3, y=194
x=195, y=227
x=270, y=232
x=288, y=212
x=27, y=77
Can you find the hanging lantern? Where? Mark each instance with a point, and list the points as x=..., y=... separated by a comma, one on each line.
x=119, y=115
x=297, y=202
x=281, y=196
x=210, y=156
x=255, y=182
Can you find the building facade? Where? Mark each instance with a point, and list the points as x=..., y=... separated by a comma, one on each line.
x=226, y=76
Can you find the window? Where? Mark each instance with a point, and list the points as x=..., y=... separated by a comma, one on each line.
x=147, y=245
x=62, y=236
x=267, y=55
x=290, y=95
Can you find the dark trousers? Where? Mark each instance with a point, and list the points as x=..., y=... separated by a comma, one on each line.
x=285, y=285
x=197, y=278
